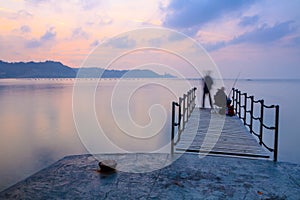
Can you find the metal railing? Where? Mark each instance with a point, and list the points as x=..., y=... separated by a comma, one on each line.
x=186, y=105
x=243, y=110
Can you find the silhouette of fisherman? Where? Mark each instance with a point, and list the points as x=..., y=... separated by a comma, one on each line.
x=207, y=84
x=221, y=100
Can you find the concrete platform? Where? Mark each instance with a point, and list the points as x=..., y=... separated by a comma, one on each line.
x=189, y=177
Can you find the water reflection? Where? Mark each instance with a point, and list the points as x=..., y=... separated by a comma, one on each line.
x=131, y=115
x=36, y=127
x=130, y=134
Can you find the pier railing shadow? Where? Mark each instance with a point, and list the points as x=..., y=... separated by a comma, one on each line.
x=185, y=107
x=245, y=110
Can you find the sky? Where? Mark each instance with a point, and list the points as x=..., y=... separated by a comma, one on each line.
x=259, y=39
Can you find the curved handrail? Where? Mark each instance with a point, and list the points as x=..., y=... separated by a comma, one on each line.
x=186, y=105
x=271, y=106
x=237, y=97
x=269, y=127
x=255, y=118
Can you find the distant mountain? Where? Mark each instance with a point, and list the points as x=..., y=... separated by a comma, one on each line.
x=52, y=69
x=136, y=73
x=47, y=69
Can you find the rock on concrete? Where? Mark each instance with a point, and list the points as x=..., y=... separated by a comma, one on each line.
x=189, y=177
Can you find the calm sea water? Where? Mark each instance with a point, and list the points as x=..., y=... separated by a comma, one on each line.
x=37, y=126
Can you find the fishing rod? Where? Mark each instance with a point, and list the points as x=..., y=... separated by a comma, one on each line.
x=234, y=83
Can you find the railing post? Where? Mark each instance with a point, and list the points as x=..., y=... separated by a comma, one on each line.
x=233, y=100
x=184, y=110
x=239, y=104
x=276, y=133
x=188, y=105
x=236, y=101
x=251, y=114
x=245, y=108
x=261, y=121
x=179, y=116
x=190, y=102
x=194, y=98
x=173, y=127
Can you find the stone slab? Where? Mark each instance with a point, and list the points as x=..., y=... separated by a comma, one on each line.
x=189, y=177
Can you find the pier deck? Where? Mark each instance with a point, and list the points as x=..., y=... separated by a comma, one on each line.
x=210, y=133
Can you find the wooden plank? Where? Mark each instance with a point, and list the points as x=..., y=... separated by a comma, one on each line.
x=240, y=147
x=227, y=136
x=231, y=149
x=225, y=153
x=237, y=147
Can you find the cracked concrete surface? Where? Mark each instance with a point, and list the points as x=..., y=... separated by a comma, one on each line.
x=189, y=177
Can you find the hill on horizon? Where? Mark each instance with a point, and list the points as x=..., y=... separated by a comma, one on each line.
x=54, y=69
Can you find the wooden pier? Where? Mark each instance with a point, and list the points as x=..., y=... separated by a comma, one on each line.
x=231, y=139
x=205, y=131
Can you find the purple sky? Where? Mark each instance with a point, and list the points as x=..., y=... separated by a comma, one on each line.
x=260, y=39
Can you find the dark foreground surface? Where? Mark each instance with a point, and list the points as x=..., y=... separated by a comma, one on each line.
x=189, y=177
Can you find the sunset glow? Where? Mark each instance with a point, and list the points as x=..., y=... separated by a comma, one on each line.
x=260, y=39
